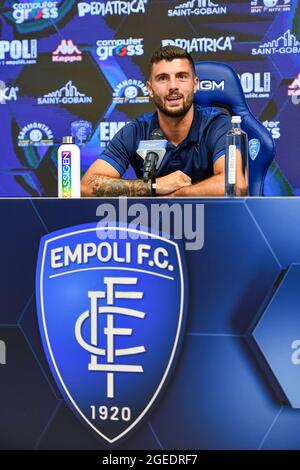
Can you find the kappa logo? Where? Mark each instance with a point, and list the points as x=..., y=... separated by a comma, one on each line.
x=66, y=51
x=111, y=314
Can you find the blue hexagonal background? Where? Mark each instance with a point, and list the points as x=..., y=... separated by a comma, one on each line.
x=220, y=397
x=278, y=334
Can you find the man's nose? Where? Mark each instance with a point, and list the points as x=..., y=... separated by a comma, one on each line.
x=173, y=83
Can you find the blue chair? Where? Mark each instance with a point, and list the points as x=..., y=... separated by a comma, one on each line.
x=220, y=87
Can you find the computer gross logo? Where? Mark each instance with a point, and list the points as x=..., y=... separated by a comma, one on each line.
x=34, y=11
x=111, y=306
x=119, y=48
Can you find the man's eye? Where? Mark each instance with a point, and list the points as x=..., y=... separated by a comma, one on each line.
x=161, y=78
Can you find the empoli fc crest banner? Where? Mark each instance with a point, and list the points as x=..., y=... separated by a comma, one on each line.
x=111, y=306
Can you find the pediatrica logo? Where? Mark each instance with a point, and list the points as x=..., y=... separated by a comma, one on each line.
x=111, y=307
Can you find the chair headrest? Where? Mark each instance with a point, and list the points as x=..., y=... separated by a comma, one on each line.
x=220, y=86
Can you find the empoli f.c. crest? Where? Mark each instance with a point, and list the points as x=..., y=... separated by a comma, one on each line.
x=111, y=310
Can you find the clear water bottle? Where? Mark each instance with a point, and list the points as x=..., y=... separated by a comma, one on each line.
x=236, y=160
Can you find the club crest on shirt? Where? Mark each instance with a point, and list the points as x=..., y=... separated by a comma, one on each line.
x=254, y=148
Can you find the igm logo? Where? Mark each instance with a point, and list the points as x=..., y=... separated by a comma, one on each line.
x=111, y=313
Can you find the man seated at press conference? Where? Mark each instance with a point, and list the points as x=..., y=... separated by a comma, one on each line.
x=194, y=163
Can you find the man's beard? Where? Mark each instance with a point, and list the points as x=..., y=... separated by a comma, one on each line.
x=176, y=112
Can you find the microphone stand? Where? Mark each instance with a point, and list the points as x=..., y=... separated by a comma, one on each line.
x=150, y=172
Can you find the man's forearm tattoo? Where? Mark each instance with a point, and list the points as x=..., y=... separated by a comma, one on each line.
x=109, y=187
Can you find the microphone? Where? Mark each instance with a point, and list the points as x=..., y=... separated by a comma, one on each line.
x=151, y=159
x=152, y=152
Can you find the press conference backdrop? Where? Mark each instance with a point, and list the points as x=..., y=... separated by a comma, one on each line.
x=65, y=61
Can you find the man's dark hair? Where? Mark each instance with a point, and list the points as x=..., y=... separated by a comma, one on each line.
x=170, y=53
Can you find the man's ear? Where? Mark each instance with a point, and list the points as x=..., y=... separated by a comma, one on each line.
x=196, y=84
x=149, y=88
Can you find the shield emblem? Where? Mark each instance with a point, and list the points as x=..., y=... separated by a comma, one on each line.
x=254, y=148
x=111, y=310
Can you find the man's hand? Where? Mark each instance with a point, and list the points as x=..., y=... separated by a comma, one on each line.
x=101, y=179
x=215, y=185
x=172, y=182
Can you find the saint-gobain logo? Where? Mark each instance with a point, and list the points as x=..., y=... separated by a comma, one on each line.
x=111, y=316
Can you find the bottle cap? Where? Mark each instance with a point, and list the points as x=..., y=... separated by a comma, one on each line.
x=236, y=119
x=68, y=139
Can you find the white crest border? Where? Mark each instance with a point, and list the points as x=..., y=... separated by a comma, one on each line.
x=166, y=372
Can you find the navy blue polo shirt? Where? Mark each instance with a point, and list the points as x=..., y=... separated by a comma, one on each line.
x=195, y=155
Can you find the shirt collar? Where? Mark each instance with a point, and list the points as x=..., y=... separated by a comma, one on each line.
x=193, y=135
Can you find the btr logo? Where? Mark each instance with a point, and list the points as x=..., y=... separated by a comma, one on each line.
x=111, y=305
